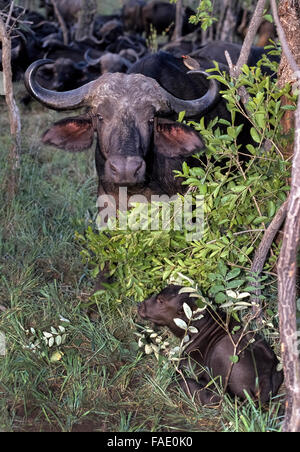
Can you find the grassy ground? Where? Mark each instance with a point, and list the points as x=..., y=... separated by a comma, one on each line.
x=97, y=379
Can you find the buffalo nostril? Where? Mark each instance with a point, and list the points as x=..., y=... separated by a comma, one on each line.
x=114, y=170
x=138, y=168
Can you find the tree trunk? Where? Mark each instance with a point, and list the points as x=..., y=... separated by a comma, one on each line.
x=13, y=112
x=178, y=20
x=287, y=270
x=28, y=4
x=84, y=26
x=228, y=19
x=289, y=15
x=287, y=20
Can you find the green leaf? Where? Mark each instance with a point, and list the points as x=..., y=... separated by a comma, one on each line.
x=288, y=107
x=215, y=289
x=220, y=297
x=181, y=116
x=180, y=323
x=228, y=304
x=187, y=290
x=255, y=135
x=271, y=209
x=238, y=188
x=95, y=272
x=224, y=122
x=56, y=356
x=187, y=310
x=233, y=274
x=193, y=330
x=234, y=284
x=234, y=359
x=245, y=69
x=260, y=118
x=260, y=220
x=268, y=17
x=251, y=149
x=222, y=268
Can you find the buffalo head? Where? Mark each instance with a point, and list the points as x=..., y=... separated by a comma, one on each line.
x=130, y=115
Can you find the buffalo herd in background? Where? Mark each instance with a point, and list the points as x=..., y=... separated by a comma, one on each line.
x=115, y=43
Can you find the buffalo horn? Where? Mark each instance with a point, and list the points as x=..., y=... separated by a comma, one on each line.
x=199, y=106
x=68, y=100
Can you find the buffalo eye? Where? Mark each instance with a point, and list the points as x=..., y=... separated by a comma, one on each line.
x=159, y=300
x=151, y=121
x=100, y=117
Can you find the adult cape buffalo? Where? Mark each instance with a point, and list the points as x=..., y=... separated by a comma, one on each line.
x=138, y=145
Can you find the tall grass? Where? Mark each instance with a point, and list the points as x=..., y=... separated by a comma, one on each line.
x=252, y=417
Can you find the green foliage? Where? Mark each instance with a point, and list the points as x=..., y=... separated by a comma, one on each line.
x=204, y=15
x=241, y=196
x=140, y=261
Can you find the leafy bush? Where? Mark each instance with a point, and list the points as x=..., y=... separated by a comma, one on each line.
x=241, y=196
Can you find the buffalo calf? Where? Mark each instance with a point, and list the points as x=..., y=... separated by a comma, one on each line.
x=211, y=348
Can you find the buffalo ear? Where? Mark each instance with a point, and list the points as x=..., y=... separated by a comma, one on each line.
x=72, y=134
x=173, y=139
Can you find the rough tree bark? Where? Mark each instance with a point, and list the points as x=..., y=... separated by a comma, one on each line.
x=289, y=16
x=13, y=112
x=287, y=271
x=288, y=28
x=289, y=12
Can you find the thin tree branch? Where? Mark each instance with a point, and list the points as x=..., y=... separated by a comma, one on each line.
x=262, y=253
x=61, y=22
x=250, y=36
x=9, y=14
x=235, y=70
x=13, y=111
